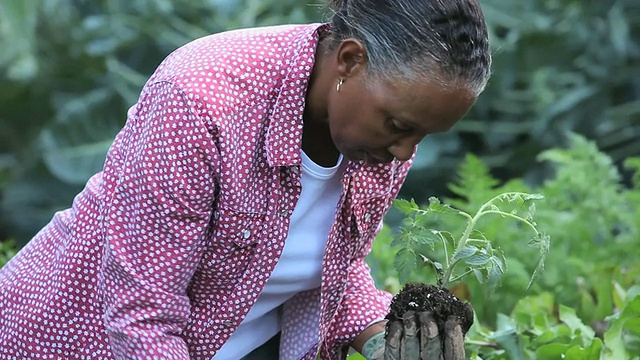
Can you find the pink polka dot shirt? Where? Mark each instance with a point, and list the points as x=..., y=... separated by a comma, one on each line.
x=165, y=251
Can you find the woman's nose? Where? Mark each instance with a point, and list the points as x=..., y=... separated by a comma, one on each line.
x=402, y=150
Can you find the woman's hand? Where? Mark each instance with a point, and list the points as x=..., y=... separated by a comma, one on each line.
x=417, y=336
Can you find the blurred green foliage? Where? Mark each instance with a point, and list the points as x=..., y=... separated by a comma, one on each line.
x=71, y=68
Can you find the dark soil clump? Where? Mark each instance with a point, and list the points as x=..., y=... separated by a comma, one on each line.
x=440, y=302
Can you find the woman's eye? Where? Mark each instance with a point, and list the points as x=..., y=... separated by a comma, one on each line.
x=398, y=126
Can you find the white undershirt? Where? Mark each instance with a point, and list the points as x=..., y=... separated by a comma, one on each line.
x=300, y=264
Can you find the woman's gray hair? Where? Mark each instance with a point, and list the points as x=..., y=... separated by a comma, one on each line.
x=445, y=40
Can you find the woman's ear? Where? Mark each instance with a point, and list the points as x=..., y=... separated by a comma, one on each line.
x=351, y=57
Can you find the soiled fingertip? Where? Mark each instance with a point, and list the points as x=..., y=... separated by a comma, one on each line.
x=410, y=343
x=467, y=322
x=394, y=335
x=430, y=341
x=453, y=340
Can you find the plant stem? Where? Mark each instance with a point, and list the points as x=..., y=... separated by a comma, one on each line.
x=516, y=217
x=471, y=223
x=446, y=251
x=460, y=276
x=463, y=240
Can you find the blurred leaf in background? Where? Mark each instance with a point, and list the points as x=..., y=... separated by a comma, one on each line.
x=559, y=66
x=70, y=69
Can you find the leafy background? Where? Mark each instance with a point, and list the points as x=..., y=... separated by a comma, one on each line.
x=69, y=70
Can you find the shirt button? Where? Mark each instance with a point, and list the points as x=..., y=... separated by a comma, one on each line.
x=295, y=169
x=227, y=323
x=216, y=215
x=246, y=234
x=284, y=213
x=367, y=217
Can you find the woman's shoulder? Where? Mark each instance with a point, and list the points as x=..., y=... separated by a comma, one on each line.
x=238, y=68
x=259, y=51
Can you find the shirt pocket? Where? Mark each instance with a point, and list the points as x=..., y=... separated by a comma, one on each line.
x=231, y=245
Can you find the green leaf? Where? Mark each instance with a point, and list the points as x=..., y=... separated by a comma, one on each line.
x=568, y=316
x=445, y=236
x=465, y=252
x=478, y=259
x=494, y=273
x=475, y=233
x=474, y=181
x=426, y=237
x=437, y=206
x=614, y=347
x=74, y=147
x=542, y=242
x=480, y=275
x=405, y=263
x=551, y=351
x=405, y=206
x=591, y=352
x=507, y=337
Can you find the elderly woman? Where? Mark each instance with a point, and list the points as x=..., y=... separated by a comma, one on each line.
x=237, y=204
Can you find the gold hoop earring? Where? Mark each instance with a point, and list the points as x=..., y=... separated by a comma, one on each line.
x=339, y=86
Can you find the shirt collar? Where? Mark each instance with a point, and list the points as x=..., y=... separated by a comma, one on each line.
x=284, y=134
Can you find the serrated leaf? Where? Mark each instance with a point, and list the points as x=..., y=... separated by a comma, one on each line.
x=478, y=259
x=475, y=233
x=480, y=275
x=405, y=263
x=426, y=237
x=420, y=218
x=465, y=252
x=435, y=205
x=403, y=239
x=494, y=274
x=397, y=241
x=414, y=236
x=542, y=244
x=405, y=206
x=474, y=180
x=448, y=237
x=500, y=263
x=532, y=211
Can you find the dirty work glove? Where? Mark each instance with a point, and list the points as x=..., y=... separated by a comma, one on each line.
x=416, y=335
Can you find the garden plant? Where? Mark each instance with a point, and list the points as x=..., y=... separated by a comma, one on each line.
x=465, y=252
x=585, y=305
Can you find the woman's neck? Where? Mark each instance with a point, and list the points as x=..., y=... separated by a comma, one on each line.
x=316, y=136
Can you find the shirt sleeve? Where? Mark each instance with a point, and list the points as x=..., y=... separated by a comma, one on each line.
x=161, y=190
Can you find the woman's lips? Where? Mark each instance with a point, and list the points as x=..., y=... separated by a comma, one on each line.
x=374, y=159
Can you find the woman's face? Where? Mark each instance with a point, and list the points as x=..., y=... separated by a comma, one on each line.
x=377, y=121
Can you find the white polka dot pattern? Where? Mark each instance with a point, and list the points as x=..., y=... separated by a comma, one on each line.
x=165, y=251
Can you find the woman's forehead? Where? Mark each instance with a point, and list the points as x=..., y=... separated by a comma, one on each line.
x=427, y=104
